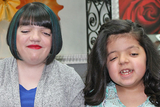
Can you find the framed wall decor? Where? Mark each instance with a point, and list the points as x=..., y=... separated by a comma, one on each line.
x=144, y=12
x=97, y=12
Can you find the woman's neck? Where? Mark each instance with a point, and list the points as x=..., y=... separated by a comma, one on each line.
x=29, y=75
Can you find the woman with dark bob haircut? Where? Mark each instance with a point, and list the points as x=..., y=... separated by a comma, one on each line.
x=40, y=15
x=123, y=68
x=33, y=77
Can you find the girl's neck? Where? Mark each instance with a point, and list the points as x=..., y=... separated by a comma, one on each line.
x=134, y=88
x=134, y=96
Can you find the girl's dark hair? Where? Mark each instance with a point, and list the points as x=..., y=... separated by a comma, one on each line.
x=97, y=76
x=39, y=14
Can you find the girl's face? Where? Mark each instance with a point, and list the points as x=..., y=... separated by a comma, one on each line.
x=33, y=43
x=126, y=60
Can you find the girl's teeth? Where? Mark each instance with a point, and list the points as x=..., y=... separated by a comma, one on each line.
x=125, y=72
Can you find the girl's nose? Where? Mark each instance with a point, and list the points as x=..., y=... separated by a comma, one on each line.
x=123, y=59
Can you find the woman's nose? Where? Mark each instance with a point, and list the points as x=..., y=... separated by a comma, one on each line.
x=35, y=36
x=123, y=59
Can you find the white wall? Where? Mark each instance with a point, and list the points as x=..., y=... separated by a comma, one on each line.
x=4, y=49
x=73, y=26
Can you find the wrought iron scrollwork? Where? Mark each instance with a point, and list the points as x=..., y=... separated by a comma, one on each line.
x=97, y=12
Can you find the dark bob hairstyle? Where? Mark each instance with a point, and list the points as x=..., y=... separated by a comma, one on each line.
x=38, y=14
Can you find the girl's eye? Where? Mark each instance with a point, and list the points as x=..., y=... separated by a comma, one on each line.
x=113, y=59
x=134, y=54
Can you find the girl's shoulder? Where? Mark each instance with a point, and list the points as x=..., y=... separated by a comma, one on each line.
x=111, y=90
x=112, y=99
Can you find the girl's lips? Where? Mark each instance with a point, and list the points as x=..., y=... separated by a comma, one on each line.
x=34, y=46
x=126, y=72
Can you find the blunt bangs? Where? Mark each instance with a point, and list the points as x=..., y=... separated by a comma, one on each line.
x=36, y=15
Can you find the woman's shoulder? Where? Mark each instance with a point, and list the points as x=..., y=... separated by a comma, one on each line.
x=61, y=67
x=7, y=61
x=7, y=65
x=63, y=70
x=65, y=74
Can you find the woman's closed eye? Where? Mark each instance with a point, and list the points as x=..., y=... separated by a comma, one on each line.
x=48, y=34
x=24, y=31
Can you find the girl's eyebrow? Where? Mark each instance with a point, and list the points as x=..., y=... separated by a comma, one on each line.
x=111, y=52
x=133, y=47
x=125, y=49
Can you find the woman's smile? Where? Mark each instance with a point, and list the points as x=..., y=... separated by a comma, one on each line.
x=33, y=43
x=34, y=47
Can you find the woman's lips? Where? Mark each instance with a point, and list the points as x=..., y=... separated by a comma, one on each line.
x=34, y=46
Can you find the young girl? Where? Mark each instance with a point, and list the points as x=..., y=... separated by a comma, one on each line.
x=123, y=68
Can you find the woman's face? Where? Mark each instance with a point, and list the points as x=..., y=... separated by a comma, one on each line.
x=33, y=43
x=126, y=60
